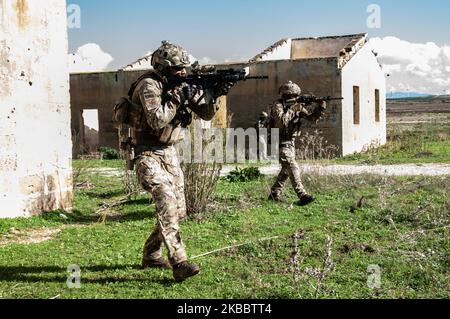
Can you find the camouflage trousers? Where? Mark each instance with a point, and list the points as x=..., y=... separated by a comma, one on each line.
x=289, y=170
x=159, y=173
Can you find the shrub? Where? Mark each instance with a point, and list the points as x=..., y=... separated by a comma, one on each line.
x=244, y=175
x=200, y=181
x=314, y=147
x=109, y=153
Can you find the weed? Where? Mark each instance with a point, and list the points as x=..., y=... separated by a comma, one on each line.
x=314, y=147
x=244, y=175
x=109, y=153
x=200, y=181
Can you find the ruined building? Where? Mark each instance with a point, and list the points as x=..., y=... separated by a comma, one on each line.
x=35, y=136
x=340, y=66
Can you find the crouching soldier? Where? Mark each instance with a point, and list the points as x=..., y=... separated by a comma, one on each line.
x=285, y=114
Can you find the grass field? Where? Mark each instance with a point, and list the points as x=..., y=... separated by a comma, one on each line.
x=398, y=224
x=358, y=223
x=408, y=143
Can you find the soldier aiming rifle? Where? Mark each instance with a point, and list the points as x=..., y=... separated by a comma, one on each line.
x=158, y=107
x=286, y=114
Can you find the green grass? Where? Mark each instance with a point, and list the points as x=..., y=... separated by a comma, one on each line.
x=86, y=164
x=401, y=227
x=419, y=143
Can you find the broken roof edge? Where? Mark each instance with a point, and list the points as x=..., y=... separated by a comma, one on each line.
x=356, y=42
x=138, y=62
x=269, y=50
x=360, y=35
x=351, y=49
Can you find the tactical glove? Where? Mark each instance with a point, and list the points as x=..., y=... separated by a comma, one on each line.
x=223, y=89
x=183, y=94
x=188, y=92
x=320, y=108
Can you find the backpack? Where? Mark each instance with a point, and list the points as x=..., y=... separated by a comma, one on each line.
x=129, y=113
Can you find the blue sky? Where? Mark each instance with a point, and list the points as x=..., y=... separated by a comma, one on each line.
x=234, y=29
x=413, y=42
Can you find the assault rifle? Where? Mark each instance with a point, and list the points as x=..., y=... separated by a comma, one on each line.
x=309, y=99
x=207, y=77
x=210, y=78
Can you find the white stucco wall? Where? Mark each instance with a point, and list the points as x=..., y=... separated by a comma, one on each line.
x=35, y=136
x=364, y=71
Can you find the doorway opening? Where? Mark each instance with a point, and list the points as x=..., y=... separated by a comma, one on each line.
x=90, y=131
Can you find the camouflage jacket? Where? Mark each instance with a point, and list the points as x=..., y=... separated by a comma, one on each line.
x=159, y=109
x=287, y=117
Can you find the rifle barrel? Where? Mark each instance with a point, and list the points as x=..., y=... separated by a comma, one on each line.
x=257, y=77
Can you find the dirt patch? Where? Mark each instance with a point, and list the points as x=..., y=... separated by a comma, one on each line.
x=29, y=236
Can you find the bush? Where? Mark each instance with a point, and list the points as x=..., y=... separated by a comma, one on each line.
x=313, y=147
x=244, y=175
x=200, y=181
x=109, y=153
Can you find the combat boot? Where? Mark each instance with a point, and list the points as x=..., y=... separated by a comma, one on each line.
x=155, y=263
x=305, y=200
x=184, y=270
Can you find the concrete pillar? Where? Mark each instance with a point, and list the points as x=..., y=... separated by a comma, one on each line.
x=35, y=137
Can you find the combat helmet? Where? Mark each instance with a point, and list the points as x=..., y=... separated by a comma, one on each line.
x=290, y=89
x=169, y=55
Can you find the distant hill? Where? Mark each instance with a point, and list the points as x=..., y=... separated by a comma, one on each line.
x=405, y=95
x=415, y=105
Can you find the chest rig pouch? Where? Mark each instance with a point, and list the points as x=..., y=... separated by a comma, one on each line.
x=174, y=132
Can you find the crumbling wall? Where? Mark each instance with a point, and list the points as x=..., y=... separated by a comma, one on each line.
x=98, y=91
x=279, y=51
x=248, y=99
x=35, y=139
x=318, y=47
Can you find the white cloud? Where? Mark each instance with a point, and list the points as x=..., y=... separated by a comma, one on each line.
x=414, y=67
x=203, y=60
x=89, y=57
x=207, y=60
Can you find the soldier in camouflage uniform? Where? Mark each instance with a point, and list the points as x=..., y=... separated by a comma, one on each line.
x=285, y=114
x=157, y=165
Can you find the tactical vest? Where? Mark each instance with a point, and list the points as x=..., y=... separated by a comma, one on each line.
x=293, y=129
x=146, y=138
